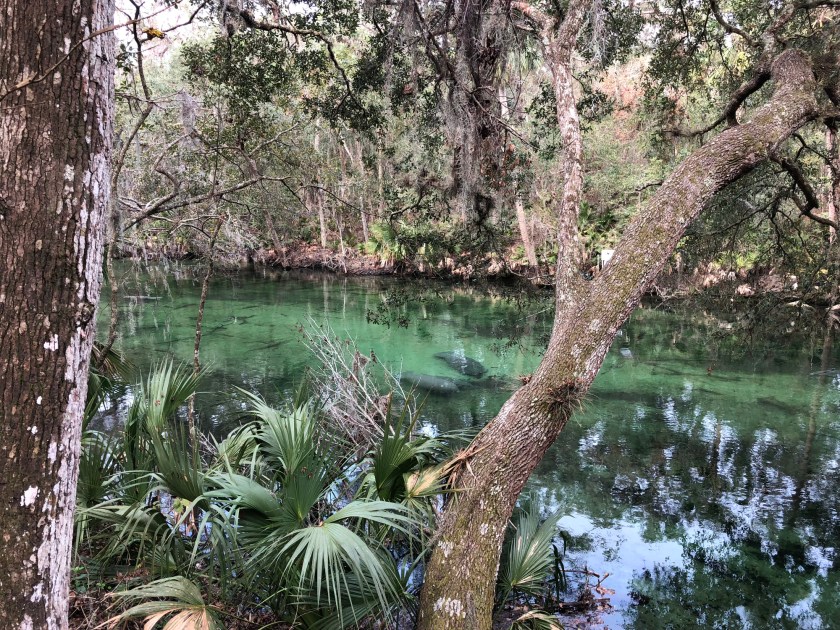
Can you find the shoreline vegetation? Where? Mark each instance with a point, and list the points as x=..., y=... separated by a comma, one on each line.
x=268, y=526
x=677, y=280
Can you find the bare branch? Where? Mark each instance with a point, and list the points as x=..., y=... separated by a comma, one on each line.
x=812, y=201
x=728, y=26
x=752, y=85
x=163, y=205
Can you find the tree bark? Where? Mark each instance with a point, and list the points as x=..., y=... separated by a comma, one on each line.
x=55, y=142
x=460, y=577
x=525, y=233
x=559, y=45
x=833, y=196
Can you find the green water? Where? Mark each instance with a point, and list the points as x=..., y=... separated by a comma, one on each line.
x=702, y=474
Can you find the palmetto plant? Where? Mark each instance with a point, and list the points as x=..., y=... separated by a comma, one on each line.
x=305, y=541
x=284, y=514
x=280, y=512
x=536, y=620
x=176, y=601
x=532, y=564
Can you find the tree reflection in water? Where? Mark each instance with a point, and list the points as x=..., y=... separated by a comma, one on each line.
x=702, y=472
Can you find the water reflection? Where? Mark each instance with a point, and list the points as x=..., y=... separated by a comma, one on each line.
x=709, y=510
x=701, y=473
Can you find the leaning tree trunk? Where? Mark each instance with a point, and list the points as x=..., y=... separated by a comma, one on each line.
x=56, y=113
x=460, y=577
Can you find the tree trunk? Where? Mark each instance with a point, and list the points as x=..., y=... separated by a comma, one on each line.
x=322, y=218
x=272, y=232
x=199, y=319
x=55, y=142
x=460, y=577
x=525, y=233
x=521, y=216
x=833, y=196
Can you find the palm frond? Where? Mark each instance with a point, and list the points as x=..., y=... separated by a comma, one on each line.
x=109, y=372
x=177, y=598
x=286, y=436
x=239, y=448
x=528, y=555
x=179, y=467
x=111, y=363
x=536, y=620
x=98, y=466
x=400, y=456
x=167, y=388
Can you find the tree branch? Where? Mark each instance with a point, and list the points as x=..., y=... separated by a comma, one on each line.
x=812, y=201
x=38, y=78
x=728, y=26
x=262, y=25
x=162, y=205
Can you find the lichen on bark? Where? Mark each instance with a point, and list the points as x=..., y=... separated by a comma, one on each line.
x=55, y=140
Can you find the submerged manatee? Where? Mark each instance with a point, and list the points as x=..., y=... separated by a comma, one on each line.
x=461, y=363
x=430, y=383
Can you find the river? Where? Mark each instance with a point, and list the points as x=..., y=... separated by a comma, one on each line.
x=702, y=473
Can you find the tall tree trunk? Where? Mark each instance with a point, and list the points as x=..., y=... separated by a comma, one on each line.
x=363, y=215
x=272, y=232
x=472, y=110
x=360, y=165
x=521, y=216
x=55, y=142
x=317, y=197
x=460, y=577
x=322, y=217
x=525, y=233
x=380, y=183
x=833, y=203
x=833, y=196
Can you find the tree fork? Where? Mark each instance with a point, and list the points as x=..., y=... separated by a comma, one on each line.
x=461, y=574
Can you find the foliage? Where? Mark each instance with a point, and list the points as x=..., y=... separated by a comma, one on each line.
x=175, y=598
x=536, y=620
x=281, y=510
x=530, y=557
x=283, y=514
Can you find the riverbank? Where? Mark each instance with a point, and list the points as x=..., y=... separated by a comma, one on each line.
x=675, y=282
x=697, y=417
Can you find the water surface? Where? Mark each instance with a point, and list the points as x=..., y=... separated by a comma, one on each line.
x=701, y=473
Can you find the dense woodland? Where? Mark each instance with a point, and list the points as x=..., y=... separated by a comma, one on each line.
x=606, y=148
x=367, y=150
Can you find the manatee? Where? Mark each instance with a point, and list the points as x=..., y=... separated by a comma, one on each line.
x=430, y=383
x=490, y=383
x=461, y=363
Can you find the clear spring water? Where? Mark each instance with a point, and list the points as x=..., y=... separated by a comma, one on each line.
x=701, y=473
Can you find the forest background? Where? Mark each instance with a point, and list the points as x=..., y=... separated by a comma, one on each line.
x=445, y=138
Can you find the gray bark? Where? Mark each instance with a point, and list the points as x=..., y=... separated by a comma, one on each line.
x=55, y=143
x=525, y=233
x=460, y=577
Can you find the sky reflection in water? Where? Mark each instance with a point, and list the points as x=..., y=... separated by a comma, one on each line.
x=701, y=476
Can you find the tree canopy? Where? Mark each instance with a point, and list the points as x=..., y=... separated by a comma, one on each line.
x=531, y=137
